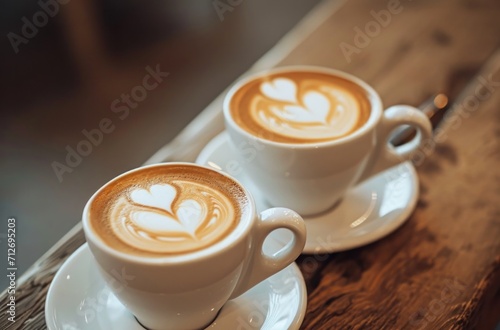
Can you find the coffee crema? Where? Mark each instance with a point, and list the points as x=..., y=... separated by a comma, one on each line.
x=300, y=107
x=166, y=210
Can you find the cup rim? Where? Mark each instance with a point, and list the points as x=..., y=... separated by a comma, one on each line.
x=238, y=234
x=373, y=97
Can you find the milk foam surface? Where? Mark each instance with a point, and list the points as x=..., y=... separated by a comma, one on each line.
x=167, y=213
x=300, y=107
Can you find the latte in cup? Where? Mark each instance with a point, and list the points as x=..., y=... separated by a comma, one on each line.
x=315, y=133
x=300, y=107
x=159, y=211
x=175, y=241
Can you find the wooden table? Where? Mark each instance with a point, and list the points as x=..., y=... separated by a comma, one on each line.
x=441, y=269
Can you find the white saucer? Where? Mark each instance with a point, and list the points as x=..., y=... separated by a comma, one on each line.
x=78, y=299
x=367, y=213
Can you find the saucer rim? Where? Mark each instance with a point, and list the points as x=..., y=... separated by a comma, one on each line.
x=382, y=231
x=50, y=301
x=377, y=234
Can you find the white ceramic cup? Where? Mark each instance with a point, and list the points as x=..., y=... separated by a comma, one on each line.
x=312, y=177
x=186, y=291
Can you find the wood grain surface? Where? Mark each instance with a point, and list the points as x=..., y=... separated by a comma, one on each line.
x=441, y=269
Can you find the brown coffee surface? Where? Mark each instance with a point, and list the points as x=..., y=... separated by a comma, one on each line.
x=166, y=210
x=300, y=107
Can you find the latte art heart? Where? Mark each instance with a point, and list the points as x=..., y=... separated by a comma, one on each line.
x=316, y=110
x=280, y=89
x=300, y=107
x=312, y=114
x=182, y=210
x=186, y=221
x=160, y=219
x=171, y=217
x=159, y=195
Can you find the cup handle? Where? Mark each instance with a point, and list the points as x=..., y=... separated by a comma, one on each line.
x=260, y=265
x=386, y=155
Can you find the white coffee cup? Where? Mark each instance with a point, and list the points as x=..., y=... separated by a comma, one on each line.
x=186, y=291
x=312, y=177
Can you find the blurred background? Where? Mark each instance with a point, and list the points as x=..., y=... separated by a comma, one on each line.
x=67, y=66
